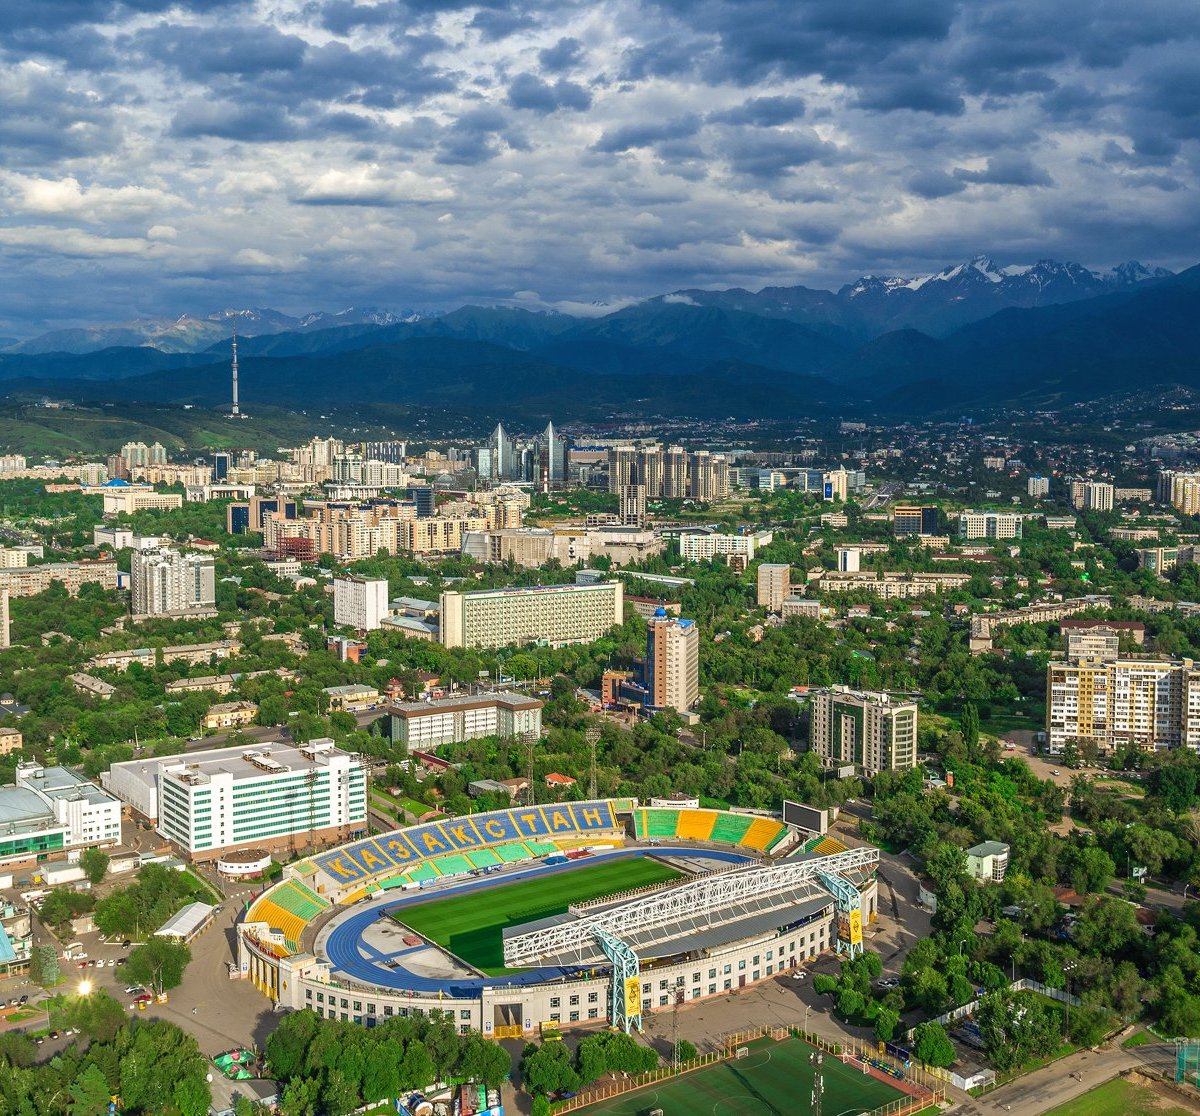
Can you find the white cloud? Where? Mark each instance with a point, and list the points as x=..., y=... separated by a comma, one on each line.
x=371, y=185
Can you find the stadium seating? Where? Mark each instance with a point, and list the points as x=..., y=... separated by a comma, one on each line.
x=288, y=908
x=763, y=833
x=483, y=858
x=456, y=865
x=541, y=848
x=660, y=823
x=729, y=829
x=827, y=846
x=696, y=825
x=514, y=852
x=422, y=872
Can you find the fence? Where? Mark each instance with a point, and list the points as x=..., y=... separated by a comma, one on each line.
x=927, y=1089
x=1022, y=985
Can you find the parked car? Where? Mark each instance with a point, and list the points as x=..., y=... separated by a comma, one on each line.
x=889, y=982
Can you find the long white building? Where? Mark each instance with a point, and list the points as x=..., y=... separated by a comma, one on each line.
x=554, y=615
x=426, y=724
x=703, y=547
x=270, y=796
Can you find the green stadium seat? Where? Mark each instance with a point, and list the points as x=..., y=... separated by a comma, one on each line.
x=729, y=829
x=483, y=858
x=513, y=852
x=662, y=823
x=455, y=865
x=542, y=848
x=422, y=872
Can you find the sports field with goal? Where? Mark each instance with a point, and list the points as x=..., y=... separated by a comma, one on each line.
x=471, y=925
x=774, y=1079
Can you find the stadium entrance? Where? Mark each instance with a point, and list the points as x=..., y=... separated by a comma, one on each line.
x=507, y=1022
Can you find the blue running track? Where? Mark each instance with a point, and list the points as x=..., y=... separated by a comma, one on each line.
x=344, y=946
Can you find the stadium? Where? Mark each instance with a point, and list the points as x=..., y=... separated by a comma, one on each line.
x=536, y=916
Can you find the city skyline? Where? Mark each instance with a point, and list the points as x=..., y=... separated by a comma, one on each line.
x=161, y=158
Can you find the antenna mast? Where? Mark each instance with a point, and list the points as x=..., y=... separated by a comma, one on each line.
x=236, y=412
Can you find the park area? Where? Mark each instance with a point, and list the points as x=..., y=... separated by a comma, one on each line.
x=774, y=1078
x=471, y=925
x=1122, y=1097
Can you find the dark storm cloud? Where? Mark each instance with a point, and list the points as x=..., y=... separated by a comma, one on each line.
x=1007, y=170
x=226, y=120
x=935, y=184
x=529, y=92
x=564, y=55
x=631, y=136
x=762, y=111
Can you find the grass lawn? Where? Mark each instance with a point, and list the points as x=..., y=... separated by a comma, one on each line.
x=1120, y=1098
x=775, y=1079
x=470, y=925
x=1142, y=1038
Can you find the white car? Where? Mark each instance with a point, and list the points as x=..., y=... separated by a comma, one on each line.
x=799, y=975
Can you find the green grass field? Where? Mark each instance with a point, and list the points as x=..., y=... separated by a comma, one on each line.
x=1120, y=1098
x=776, y=1080
x=470, y=925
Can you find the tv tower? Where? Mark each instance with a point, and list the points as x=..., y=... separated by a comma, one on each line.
x=236, y=411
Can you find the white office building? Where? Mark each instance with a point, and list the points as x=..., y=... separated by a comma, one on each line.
x=90, y=817
x=990, y=525
x=271, y=796
x=426, y=724
x=360, y=602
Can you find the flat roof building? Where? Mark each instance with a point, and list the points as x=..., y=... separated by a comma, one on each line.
x=50, y=810
x=271, y=796
x=556, y=615
x=426, y=724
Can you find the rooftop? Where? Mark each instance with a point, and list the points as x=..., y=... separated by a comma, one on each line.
x=186, y=922
x=267, y=758
x=463, y=701
x=989, y=848
x=61, y=783
x=22, y=808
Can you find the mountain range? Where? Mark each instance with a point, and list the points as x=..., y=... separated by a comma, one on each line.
x=971, y=336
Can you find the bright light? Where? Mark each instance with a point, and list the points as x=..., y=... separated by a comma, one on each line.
x=85, y=986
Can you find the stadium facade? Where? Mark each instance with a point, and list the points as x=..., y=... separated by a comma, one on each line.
x=757, y=900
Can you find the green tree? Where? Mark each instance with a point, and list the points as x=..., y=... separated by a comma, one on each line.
x=90, y=1092
x=159, y=963
x=547, y=1068
x=43, y=965
x=932, y=1045
x=685, y=1051
x=94, y=863
x=886, y=1023
x=541, y=1105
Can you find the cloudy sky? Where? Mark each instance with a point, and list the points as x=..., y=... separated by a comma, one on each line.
x=162, y=157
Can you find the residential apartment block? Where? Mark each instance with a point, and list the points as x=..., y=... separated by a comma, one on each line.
x=672, y=662
x=887, y=585
x=774, y=585
x=166, y=582
x=872, y=731
x=31, y=580
x=555, y=615
x=360, y=602
x=703, y=547
x=908, y=519
x=1152, y=704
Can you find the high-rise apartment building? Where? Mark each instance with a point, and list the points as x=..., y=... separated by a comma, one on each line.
x=632, y=505
x=391, y=451
x=555, y=615
x=1090, y=495
x=911, y=520
x=675, y=473
x=164, y=582
x=251, y=515
x=360, y=602
x=774, y=585
x=872, y=731
x=991, y=525
x=672, y=662
x=1037, y=487
x=1115, y=702
x=5, y=624
x=1180, y=490
x=849, y=559
x=708, y=477
x=622, y=468
x=704, y=547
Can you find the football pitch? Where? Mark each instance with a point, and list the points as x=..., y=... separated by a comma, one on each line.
x=470, y=926
x=776, y=1079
